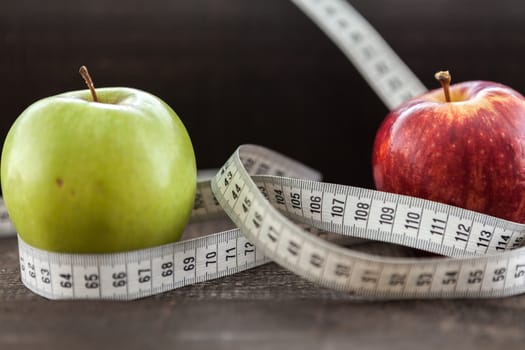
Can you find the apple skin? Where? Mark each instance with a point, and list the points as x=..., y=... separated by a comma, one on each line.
x=469, y=152
x=94, y=177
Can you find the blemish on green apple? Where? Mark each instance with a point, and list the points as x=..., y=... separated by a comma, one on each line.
x=80, y=176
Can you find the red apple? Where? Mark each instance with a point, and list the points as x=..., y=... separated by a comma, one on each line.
x=468, y=151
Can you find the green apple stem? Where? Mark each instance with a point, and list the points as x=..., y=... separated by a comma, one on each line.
x=89, y=82
x=444, y=78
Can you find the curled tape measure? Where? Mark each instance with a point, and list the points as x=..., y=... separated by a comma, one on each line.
x=271, y=199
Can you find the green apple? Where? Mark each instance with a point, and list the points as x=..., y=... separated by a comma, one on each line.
x=80, y=176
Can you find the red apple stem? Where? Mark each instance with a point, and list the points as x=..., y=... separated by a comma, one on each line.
x=444, y=78
x=89, y=82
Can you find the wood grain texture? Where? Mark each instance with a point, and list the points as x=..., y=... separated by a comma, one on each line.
x=264, y=308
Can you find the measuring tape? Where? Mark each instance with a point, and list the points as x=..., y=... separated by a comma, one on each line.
x=272, y=199
x=379, y=65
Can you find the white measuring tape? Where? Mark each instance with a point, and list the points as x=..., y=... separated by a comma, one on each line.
x=381, y=67
x=267, y=207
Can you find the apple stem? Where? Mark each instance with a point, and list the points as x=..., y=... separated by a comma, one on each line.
x=444, y=78
x=89, y=82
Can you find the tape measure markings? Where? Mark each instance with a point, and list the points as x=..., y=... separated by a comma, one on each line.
x=180, y=253
x=288, y=245
x=379, y=65
x=148, y=271
x=136, y=274
x=187, y=262
x=424, y=212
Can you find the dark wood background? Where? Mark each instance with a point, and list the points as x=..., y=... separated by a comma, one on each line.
x=255, y=71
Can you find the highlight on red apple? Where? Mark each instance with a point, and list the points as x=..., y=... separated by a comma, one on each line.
x=462, y=145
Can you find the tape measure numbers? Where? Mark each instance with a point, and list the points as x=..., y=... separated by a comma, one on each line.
x=272, y=199
x=379, y=65
x=262, y=206
x=141, y=273
x=376, y=215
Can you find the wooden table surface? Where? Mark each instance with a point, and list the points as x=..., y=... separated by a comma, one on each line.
x=263, y=308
